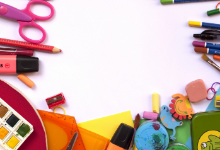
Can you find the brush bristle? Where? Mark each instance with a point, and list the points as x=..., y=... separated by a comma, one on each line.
x=204, y=57
x=137, y=121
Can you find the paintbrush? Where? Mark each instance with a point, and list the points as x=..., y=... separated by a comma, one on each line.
x=204, y=57
x=136, y=124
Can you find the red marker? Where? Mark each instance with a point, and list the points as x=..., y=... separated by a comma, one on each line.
x=18, y=64
x=12, y=51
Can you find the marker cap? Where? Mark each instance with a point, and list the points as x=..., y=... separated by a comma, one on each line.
x=123, y=136
x=200, y=49
x=213, y=12
x=166, y=1
x=216, y=57
x=26, y=64
x=195, y=23
x=198, y=44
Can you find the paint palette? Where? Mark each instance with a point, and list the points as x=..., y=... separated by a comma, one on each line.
x=14, y=129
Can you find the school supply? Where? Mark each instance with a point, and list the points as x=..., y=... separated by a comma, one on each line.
x=205, y=130
x=204, y=24
x=122, y=138
x=196, y=90
x=93, y=141
x=14, y=129
x=55, y=100
x=136, y=124
x=214, y=11
x=13, y=51
x=205, y=44
x=168, y=121
x=72, y=142
x=180, y=1
x=204, y=57
x=151, y=135
x=16, y=100
x=60, y=130
x=217, y=101
x=216, y=57
x=26, y=17
x=207, y=50
x=208, y=35
x=64, y=112
x=26, y=80
x=155, y=102
x=22, y=44
x=180, y=107
x=18, y=64
x=111, y=123
x=150, y=115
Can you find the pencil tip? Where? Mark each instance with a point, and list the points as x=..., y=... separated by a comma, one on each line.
x=60, y=50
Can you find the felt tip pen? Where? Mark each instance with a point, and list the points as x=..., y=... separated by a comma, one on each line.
x=207, y=50
x=12, y=51
x=205, y=44
x=204, y=24
x=180, y=1
x=122, y=138
x=18, y=64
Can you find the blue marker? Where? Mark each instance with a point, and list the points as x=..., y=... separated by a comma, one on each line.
x=207, y=50
x=180, y=1
x=206, y=45
x=204, y=24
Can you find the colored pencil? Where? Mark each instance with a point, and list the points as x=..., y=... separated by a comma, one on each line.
x=41, y=47
x=136, y=124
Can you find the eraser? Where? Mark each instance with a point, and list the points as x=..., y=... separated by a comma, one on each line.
x=26, y=80
x=196, y=91
x=150, y=115
x=155, y=102
x=56, y=100
x=217, y=101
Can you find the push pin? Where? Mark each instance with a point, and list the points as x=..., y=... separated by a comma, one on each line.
x=55, y=100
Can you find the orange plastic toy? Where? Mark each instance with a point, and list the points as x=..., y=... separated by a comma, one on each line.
x=60, y=130
x=179, y=107
x=93, y=141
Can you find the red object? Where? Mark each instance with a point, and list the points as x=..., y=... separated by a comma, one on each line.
x=15, y=43
x=10, y=51
x=56, y=100
x=37, y=140
x=213, y=95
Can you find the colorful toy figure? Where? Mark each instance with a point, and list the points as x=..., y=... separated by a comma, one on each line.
x=213, y=144
x=180, y=109
x=168, y=121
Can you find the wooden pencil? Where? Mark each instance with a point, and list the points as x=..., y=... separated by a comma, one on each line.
x=22, y=44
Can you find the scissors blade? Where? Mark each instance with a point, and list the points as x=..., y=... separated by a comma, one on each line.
x=72, y=142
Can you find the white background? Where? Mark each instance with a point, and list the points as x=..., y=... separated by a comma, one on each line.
x=116, y=53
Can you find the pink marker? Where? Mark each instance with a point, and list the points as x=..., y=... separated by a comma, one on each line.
x=150, y=115
x=18, y=64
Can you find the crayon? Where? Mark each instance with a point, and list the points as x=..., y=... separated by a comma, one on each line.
x=204, y=24
x=155, y=102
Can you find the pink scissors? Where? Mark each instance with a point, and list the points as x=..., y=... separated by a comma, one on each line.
x=26, y=18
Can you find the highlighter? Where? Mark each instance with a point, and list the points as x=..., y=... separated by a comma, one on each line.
x=18, y=64
x=122, y=138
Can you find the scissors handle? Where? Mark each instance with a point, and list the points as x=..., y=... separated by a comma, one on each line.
x=28, y=11
x=23, y=24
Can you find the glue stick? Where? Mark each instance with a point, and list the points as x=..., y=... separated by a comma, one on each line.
x=155, y=102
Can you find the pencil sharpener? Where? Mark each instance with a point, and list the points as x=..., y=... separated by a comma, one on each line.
x=55, y=100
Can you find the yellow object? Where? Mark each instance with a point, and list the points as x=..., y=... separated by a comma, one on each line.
x=107, y=126
x=13, y=142
x=26, y=80
x=156, y=103
x=93, y=141
x=64, y=112
x=188, y=105
x=134, y=147
x=217, y=101
x=3, y=133
x=195, y=23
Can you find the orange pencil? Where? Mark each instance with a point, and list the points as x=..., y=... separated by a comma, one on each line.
x=15, y=43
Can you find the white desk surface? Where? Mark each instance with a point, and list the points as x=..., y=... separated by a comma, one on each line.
x=116, y=53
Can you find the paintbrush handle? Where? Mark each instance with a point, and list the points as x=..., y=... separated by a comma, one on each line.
x=214, y=65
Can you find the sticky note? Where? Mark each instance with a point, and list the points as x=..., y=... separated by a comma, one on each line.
x=3, y=133
x=107, y=126
x=13, y=142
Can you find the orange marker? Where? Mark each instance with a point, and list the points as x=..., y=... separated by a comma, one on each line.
x=26, y=80
x=216, y=57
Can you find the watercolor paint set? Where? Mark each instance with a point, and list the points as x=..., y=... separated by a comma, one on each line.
x=14, y=129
